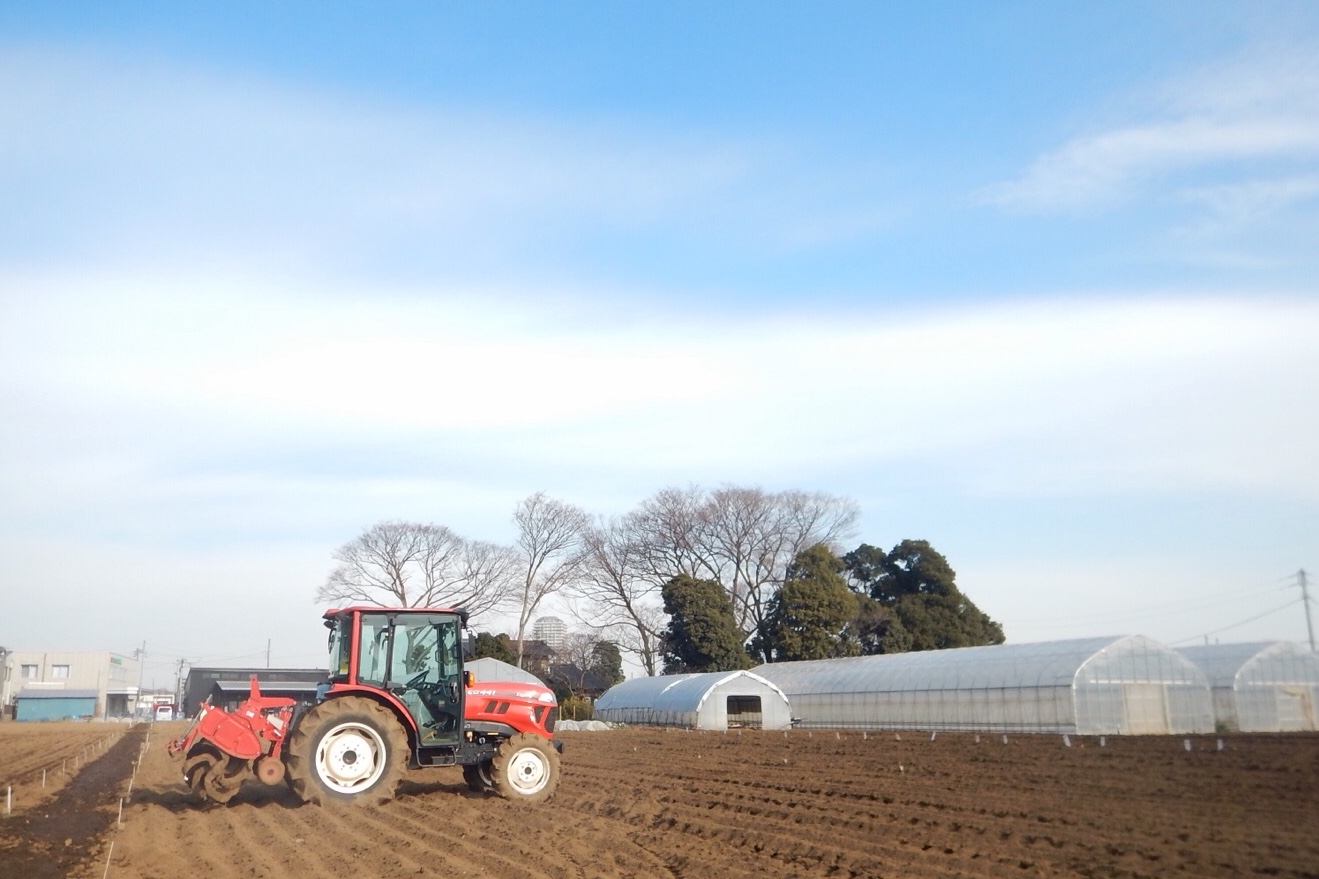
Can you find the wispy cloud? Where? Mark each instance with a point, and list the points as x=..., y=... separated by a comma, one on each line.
x=116, y=160
x=1248, y=124
x=1253, y=199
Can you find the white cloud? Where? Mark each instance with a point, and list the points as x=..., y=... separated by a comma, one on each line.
x=1236, y=120
x=1020, y=398
x=1243, y=202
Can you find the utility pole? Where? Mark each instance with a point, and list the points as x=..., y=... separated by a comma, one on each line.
x=178, y=688
x=1305, y=599
x=141, y=656
x=268, y=652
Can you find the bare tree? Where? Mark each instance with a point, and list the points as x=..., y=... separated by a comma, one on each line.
x=744, y=537
x=550, y=549
x=404, y=564
x=668, y=533
x=743, y=530
x=620, y=596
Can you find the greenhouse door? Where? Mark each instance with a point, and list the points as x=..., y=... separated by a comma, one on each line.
x=1146, y=708
x=1294, y=712
x=744, y=711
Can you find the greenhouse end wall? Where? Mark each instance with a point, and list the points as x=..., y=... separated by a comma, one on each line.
x=714, y=700
x=1270, y=686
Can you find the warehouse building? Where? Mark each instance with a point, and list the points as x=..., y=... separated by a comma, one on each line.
x=228, y=687
x=55, y=685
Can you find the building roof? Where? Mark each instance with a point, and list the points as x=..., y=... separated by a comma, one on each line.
x=232, y=670
x=28, y=693
x=578, y=678
x=266, y=686
x=991, y=667
x=487, y=669
x=675, y=693
x=1260, y=662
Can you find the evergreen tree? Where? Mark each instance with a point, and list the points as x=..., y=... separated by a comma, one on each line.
x=702, y=634
x=875, y=629
x=810, y=612
x=916, y=583
x=607, y=662
x=494, y=646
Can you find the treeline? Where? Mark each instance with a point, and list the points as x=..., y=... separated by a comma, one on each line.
x=690, y=580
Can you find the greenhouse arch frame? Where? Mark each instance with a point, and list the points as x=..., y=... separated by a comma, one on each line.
x=711, y=700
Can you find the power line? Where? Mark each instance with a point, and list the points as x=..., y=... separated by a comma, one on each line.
x=1237, y=624
x=1178, y=606
x=1305, y=598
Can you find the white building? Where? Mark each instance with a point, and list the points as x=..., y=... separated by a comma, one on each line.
x=553, y=631
x=43, y=674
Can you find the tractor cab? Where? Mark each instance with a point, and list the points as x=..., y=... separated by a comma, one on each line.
x=415, y=656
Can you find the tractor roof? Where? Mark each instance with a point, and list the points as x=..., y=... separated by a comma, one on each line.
x=337, y=612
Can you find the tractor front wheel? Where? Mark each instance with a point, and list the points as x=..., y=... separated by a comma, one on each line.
x=525, y=767
x=477, y=776
x=348, y=749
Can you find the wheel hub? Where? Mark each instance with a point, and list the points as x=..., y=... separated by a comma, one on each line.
x=349, y=758
x=527, y=772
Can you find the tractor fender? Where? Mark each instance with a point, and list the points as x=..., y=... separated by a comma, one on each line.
x=384, y=698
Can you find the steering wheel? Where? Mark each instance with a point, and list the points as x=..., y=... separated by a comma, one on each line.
x=418, y=681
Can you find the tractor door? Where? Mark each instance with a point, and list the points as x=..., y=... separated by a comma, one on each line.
x=425, y=672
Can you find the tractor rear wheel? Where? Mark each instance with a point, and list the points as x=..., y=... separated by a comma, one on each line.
x=526, y=768
x=348, y=749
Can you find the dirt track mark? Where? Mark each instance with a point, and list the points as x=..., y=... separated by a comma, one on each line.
x=51, y=842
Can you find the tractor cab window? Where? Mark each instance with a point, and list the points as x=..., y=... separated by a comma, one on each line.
x=425, y=672
x=341, y=647
x=373, y=650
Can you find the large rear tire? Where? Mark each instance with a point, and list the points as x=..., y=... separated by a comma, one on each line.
x=526, y=768
x=349, y=750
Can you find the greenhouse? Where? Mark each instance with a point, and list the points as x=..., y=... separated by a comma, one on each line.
x=487, y=668
x=1092, y=686
x=1272, y=686
x=714, y=700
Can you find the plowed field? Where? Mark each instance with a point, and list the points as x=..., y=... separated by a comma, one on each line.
x=38, y=759
x=651, y=803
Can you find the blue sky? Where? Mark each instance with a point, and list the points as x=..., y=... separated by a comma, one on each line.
x=1035, y=282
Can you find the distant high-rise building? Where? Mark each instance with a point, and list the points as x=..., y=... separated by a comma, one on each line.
x=552, y=630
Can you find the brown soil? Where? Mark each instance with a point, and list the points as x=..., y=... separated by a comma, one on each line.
x=37, y=759
x=652, y=803
x=58, y=833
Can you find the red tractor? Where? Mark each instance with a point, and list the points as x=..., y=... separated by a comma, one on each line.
x=396, y=697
